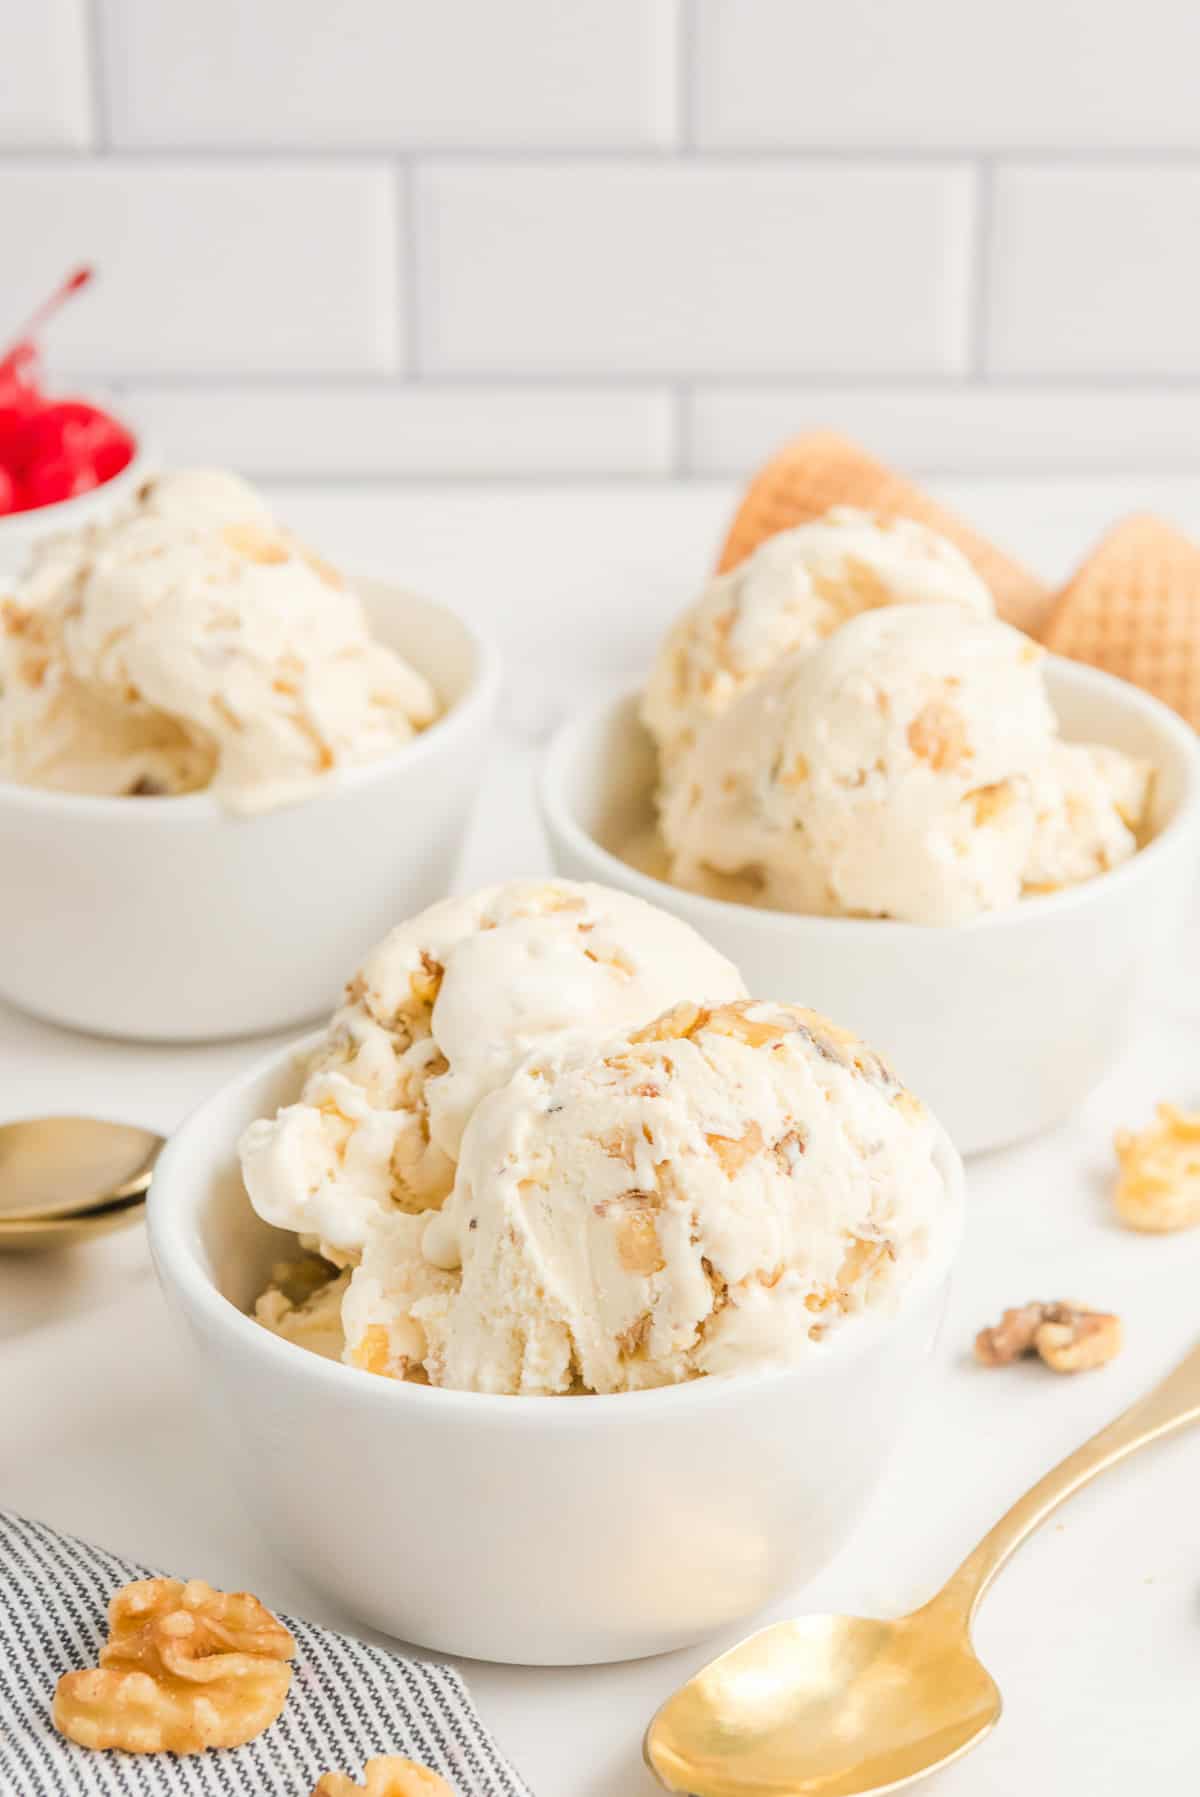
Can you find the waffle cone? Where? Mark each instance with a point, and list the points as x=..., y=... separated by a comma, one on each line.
x=1133, y=609
x=819, y=470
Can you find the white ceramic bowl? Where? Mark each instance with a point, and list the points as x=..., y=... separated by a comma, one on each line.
x=173, y=919
x=546, y=1531
x=19, y=531
x=1002, y=1025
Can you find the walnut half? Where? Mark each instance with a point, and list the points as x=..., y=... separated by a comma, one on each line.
x=184, y=1668
x=386, y=1777
x=1159, y=1185
x=1068, y=1337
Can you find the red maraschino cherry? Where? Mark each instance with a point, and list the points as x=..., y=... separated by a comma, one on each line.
x=51, y=450
x=72, y=430
x=20, y=398
x=49, y=482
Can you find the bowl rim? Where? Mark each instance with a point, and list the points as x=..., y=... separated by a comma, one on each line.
x=185, y=808
x=560, y=821
x=174, y=1206
x=66, y=514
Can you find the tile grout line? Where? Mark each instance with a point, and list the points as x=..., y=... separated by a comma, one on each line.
x=507, y=155
x=1157, y=385
x=980, y=296
x=375, y=480
x=685, y=78
x=98, y=88
x=410, y=271
x=681, y=426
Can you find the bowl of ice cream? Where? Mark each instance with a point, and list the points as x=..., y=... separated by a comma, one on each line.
x=613, y=1276
x=873, y=794
x=224, y=767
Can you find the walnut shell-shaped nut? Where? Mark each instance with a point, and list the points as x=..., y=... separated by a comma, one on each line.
x=1158, y=1190
x=1069, y=1338
x=184, y=1668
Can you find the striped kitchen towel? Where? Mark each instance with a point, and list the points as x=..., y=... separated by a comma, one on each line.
x=347, y=1702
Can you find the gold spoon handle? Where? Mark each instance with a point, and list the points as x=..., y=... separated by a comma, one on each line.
x=1170, y=1405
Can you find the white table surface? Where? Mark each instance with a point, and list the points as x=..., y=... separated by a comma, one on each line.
x=1093, y=1633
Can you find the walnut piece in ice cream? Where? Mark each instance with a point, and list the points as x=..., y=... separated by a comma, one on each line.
x=184, y=1668
x=438, y=1016
x=716, y=1191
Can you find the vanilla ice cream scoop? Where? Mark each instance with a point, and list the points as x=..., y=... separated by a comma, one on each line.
x=1091, y=811
x=910, y=767
x=204, y=496
x=796, y=589
x=193, y=643
x=440, y=1015
x=715, y=1192
x=886, y=773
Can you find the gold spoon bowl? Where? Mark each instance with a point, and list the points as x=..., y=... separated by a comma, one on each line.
x=66, y=1178
x=844, y=1706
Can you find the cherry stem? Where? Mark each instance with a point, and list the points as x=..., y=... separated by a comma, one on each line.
x=78, y=278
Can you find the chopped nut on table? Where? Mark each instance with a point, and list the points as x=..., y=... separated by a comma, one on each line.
x=388, y=1777
x=1068, y=1337
x=1158, y=1188
x=184, y=1668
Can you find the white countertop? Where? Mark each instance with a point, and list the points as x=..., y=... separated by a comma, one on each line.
x=1093, y=1633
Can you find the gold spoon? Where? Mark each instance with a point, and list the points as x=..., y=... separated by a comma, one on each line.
x=842, y=1706
x=24, y=1236
x=64, y=1177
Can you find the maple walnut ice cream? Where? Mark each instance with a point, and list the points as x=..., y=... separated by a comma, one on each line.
x=634, y=1175
x=798, y=588
x=909, y=767
x=440, y=1015
x=890, y=759
x=192, y=643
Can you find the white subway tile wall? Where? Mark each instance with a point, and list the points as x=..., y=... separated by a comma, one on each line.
x=45, y=84
x=692, y=267
x=616, y=238
x=938, y=75
x=415, y=429
x=410, y=74
x=1096, y=269
x=213, y=267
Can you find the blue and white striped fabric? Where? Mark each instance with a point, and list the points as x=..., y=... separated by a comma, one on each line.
x=347, y=1702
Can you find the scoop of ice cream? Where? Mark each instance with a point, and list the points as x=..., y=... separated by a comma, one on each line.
x=395, y=1301
x=204, y=496
x=303, y=1304
x=796, y=589
x=439, y=1016
x=1091, y=806
x=194, y=643
x=714, y=1192
x=887, y=773
x=59, y=733
x=910, y=767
